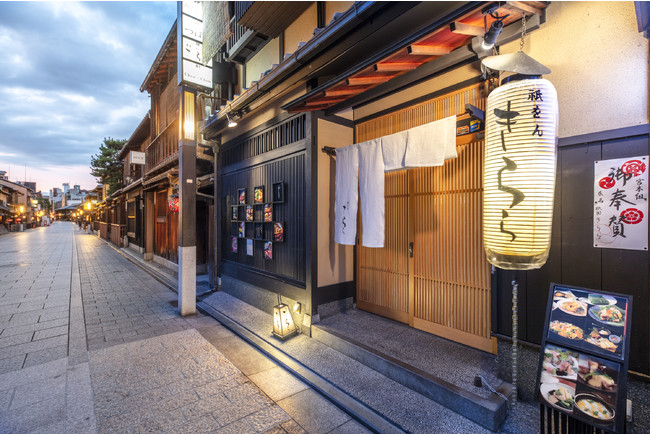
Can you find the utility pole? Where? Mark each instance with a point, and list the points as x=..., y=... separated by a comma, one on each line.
x=187, y=208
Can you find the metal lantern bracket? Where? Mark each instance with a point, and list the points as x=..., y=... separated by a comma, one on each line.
x=471, y=113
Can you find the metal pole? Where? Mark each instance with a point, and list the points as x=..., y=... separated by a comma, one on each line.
x=515, y=331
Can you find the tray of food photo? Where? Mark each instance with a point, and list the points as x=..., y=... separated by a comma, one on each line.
x=572, y=307
x=597, y=376
x=594, y=407
x=603, y=339
x=566, y=330
x=608, y=314
x=601, y=300
x=561, y=294
x=559, y=395
x=560, y=363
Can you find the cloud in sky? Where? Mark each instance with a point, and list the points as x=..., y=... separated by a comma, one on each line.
x=70, y=75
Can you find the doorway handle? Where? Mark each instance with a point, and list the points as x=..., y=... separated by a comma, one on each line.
x=410, y=250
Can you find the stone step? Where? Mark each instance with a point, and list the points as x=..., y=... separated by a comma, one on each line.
x=369, y=396
x=490, y=412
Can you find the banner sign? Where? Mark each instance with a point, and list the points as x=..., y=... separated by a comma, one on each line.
x=584, y=359
x=191, y=67
x=137, y=157
x=621, y=203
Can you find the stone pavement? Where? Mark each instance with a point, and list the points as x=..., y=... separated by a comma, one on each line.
x=91, y=343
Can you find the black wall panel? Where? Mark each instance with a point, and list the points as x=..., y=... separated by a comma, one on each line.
x=288, y=261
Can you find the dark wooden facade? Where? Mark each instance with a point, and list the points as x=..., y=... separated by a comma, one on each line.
x=276, y=152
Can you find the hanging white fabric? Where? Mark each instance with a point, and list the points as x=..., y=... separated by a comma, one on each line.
x=346, y=200
x=431, y=144
x=360, y=172
x=371, y=193
x=393, y=149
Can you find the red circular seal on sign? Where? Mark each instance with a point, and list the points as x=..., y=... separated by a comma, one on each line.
x=606, y=182
x=635, y=167
x=632, y=216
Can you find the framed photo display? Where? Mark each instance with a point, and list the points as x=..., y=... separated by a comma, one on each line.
x=241, y=196
x=259, y=231
x=242, y=230
x=249, y=247
x=268, y=250
x=584, y=358
x=234, y=242
x=234, y=213
x=250, y=214
x=278, y=192
x=278, y=232
x=268, y=212
x=258, y=194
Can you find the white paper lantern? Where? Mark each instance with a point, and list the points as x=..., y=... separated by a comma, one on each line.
x=519, y=173
x=283, y=325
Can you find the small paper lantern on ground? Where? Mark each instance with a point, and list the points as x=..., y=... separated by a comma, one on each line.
x=519, y=173
x=283, y=326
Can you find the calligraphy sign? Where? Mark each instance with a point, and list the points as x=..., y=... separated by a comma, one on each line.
x=621, y=203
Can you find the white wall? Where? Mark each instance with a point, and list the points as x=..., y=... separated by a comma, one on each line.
x=335, y=261
x=599, y=64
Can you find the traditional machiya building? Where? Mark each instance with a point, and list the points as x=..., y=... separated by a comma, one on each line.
x=133, y=154
x=164, y=168
x=299, y=86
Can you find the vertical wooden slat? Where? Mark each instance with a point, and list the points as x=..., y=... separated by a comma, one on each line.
x=444, y=288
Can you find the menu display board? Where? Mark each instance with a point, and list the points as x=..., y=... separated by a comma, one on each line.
x=584, y=359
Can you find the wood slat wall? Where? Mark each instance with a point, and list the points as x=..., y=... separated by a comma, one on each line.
x=383, y=278
x=447, y=282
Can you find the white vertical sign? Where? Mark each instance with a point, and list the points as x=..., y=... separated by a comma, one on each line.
x=621, y=203
x=191, y=67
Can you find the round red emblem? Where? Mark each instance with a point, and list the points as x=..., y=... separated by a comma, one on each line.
x=606, y=182
x=632, y=216
x=635, y=167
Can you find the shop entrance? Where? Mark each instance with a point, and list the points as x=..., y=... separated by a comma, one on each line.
x=432, y=273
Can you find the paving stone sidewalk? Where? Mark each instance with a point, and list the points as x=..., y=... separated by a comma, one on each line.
x=89, y=342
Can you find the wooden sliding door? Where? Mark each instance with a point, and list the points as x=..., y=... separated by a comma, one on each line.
x=432, y=272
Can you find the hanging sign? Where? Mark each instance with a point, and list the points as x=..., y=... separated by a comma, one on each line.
x=621, y=203
x=173, y=203
x=136, y=157
x=191, y=65
x=584, y=359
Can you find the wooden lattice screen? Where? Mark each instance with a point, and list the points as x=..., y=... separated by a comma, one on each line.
x=444, y=288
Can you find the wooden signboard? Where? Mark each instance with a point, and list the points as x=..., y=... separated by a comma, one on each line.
x=584, y=359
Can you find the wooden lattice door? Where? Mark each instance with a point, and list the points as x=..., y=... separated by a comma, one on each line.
x=432, y=272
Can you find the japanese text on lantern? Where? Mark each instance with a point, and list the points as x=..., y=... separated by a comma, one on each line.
x=507, y=119
x=621, y=203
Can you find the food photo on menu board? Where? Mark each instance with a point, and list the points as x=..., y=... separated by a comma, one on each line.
x=579, y=384
x=588, y=320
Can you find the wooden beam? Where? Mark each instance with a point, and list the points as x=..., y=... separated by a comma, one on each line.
x=345, y=91
x=427, y=50
x=523, y=7
x=325, y=102
x=466, y=29
x=395, y=66
x=368, y=79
